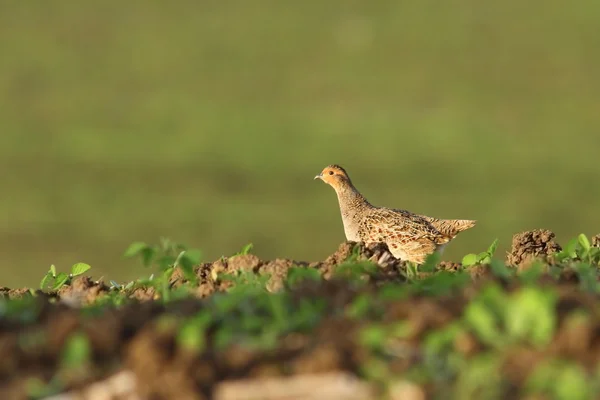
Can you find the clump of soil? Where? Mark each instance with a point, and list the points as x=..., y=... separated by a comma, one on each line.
x=596, y=240
x=208, y=273
x=7, y=293
x=530, y=245
x=82, y=291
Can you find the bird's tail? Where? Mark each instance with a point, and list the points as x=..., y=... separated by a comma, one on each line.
x=450, y=227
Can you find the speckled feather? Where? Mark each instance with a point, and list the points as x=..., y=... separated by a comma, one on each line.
x=408, y=236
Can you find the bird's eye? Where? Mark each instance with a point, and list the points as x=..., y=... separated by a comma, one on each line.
x=330, y=172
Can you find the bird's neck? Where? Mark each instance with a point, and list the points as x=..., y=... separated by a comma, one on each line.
x=350, y=199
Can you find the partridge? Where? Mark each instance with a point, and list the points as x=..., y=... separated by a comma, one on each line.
x=408, y=236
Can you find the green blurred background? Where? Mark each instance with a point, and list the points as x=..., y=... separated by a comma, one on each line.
x=205, y=122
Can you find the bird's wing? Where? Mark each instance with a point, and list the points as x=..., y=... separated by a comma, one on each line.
x=403, y=227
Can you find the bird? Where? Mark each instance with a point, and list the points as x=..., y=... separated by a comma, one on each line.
x=408, y=236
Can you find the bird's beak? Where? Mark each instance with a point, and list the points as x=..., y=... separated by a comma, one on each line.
x=319, y=176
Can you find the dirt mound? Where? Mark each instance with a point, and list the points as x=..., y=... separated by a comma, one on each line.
x=143, y=338
x=596, y=240
x=82, y=291
x=277, y=269
x=530, y=245
x=138, y=346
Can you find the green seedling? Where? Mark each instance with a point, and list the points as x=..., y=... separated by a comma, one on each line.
x=166, y=257
x=530, y=316
x=354, y=254
x=501, y=270
x=167, y=254
x=431, y=262
x=36, y=388
x=588, y=276
x=560, y=380
x=482, y=258
x=54, y=281
x=480, y=378
x=186, y=260
x=244, y=281
x=441, y=361
x=411, y=273
x=357, y=272
x=360, y=306
x=443, y=282
x=76, y=352
x=526, y=316
x=192, y=334
x=393, y=292
x=579, y=249
x=245, y=250
x=373, y=336
x=25, y=309
x=484, y=323
x=295, y=275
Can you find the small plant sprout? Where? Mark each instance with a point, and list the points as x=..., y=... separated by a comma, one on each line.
x=245, y=250
x=76, y=352
x=581, y=249
x=482, y=258
x=295, y=275
x=164, y=256
x=167, y=256
x=431, y=262
x=54, y=281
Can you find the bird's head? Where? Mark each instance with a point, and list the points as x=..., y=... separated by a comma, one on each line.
x=335, y=176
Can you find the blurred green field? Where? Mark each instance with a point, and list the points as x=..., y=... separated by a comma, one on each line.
x=206, y=121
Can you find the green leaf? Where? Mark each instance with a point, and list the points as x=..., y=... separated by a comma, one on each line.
x=530, y=316
x=76, y=351
x=359, y=306
x=53, y=270
x=354, y=254
x=186, y=260
x=246, y=249
x=79, y=268
x=191, y=335
x=533, y=273
x=373, y=336
x=469, y=260
x=193, y=256
x=492, y=249
x=572, y=383
x=46, y=280
x=494, y=298
x=60, y=280
x=584, y=242
x=401, y=329
x=296, y=275
x=166, y=261
x=500, y=269
x=135, y=248
x=482, y=321
x=431, y=262
x=223, y=337
x=146, y=251
x=571, y=248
